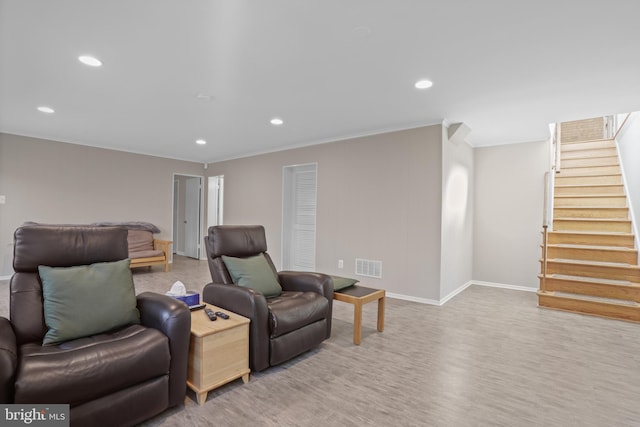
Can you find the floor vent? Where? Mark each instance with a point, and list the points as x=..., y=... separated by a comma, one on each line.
x=369, y=268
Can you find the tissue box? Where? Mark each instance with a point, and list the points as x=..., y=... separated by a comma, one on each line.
x=191, y=298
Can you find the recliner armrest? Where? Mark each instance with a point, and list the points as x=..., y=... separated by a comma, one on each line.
x=250, y=304
x=8, y=360
x=304, y=281
x=173, y=318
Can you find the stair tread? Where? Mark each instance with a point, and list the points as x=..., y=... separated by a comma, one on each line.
x=582, y=141
x=586, y=185
x=595, y=263
x=591, y=280
x=597, y=233
x=590, y=298
x=592, y=247
x=568, y=218
x=573, y=196
x=591, y=207
x=578, y=155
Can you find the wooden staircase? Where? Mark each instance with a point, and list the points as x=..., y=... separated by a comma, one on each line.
x=591, y=263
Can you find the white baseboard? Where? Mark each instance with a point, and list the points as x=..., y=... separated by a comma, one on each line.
x=5, y=277
x=458, y=290
x=455, y=292
x=414, y=299
x=502, y=285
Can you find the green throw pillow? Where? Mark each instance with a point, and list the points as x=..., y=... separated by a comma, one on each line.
x=342, y=282
x=253, y=272
x=87, y=300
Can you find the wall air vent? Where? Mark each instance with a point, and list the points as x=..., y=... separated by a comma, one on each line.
x=369, y=268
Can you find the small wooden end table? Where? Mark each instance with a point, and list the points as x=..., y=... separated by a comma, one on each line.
x=218, y=351
x=358, y=296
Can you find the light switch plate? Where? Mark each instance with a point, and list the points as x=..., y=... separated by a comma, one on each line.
x=3, y=200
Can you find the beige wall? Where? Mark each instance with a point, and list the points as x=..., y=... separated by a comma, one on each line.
x=54, y=182
x=397, y=197
x=629, y=148
x=457, y=215
x=379, y=198
x=509, y=193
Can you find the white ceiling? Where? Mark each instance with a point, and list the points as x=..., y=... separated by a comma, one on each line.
x=331, y=69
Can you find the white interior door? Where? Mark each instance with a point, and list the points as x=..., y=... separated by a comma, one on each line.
x=299, y=217
x=192, y=217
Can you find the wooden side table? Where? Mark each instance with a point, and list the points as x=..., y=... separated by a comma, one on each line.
x=358, y=296
x=218, y=351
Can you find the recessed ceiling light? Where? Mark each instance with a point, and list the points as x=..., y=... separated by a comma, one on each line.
x=423, y=84
x=277, y=121
x=90, y=61
x=201, y=141
x=204, y=97
x=45, y=109
x=362, y=31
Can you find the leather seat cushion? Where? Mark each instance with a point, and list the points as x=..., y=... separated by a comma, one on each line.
x=88, y=368
x=146, y=254
x=292, y=310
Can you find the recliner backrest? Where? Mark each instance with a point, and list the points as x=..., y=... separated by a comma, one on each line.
x=54, y=246
x=240, y=241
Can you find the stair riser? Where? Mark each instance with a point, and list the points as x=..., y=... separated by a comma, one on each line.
x=621, y=292
x=589, y=145
x=597, y=271
x=619, y=213
x=585, y=154
x=588, y=225
x=591, y=239
x=587, y=180
x=602, y=255
x=590, y=171
x=617, y=190
x=589, y=162
x=590, y=307
x=607, y=201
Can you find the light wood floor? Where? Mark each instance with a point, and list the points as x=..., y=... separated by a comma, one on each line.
x=488, y=357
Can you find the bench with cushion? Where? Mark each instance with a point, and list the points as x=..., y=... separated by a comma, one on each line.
x=145, y=251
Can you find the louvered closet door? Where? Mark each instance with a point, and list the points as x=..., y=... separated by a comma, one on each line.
x=299, y=219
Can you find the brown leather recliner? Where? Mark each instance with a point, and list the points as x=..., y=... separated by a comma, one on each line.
x=283, y=326
x=117, y=378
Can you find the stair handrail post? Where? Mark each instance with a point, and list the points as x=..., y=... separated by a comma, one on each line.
x=557, y=139
x=543, y=282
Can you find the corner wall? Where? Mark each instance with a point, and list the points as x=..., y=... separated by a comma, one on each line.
x=458, y=190
x=509, y=200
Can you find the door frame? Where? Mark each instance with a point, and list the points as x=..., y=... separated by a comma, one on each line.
x=174, y=202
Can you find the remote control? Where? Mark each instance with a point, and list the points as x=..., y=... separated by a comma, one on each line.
x=210, y=313
x=223, y=315
x=197, y=307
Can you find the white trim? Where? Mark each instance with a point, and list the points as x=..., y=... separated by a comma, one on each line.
x=5, y=277
x=414, y=299
x=455, y=292
x=504, y=286
x=459, y=290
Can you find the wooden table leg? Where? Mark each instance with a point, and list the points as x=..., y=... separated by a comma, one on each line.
x=357, y=322
x=245, y=378
x=201, y=397
x=381, y=314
